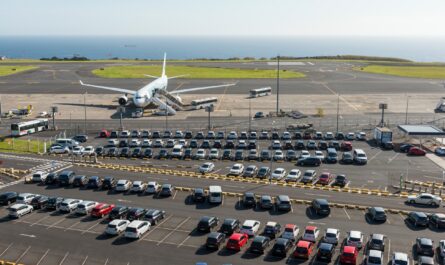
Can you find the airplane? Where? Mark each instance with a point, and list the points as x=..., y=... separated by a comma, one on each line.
x=151, y=92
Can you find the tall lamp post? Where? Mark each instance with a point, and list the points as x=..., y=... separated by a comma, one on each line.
x=209, y=109
x=85, y=112
x=338, y=109
x=278, y=83
x=250, y=115
x=406, y=111
x=383, y=106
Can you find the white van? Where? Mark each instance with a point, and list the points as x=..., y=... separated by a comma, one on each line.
x=215, y=194
x=39, y=176
x=360, y=157
x=177, y=151
x=67, y=142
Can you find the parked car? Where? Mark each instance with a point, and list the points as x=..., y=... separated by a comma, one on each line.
x=249, y=199
x=166, y=190
x=311, y=233
x=290, y=232
x=399, y=258
x=135, y=213
x=19, y=209
x=207, y=167
x=229, y=226
x=281, y=247
x=102, y=209
x=199, y=195
x=25, y=198
x=376, y=214
x=8, y=197
x=309, y=161
x=303, y=249
x=424, y=246
x=265, y=202
x=283, y=203
x=340, y=181
x=109, y=183
x=437, y=220
x=272, y=230
x=80, y=181
x=94, y=182
x=53, y=203
x=250, y=227
x=138, y=186
x=123, y=185
x=355, y=239
x=69, y=205
x=309, y=176
x=136, y=229
x=215, y=240
x=39, y=202
x=331, y=236
x=263, y=172
x=349, y=255
x=116, y=227
x=425, y=199
x=153, y=187
x=154, y=216
x=85, y=207
x=375, y=257
x=119, y=212
x=325, y=252
x=236, y=170
x=293, y=175
x=278, y=173
x=416, y=151
x=250, y=171
x=207, y=223
x=237, y=241
x=259, y=244
x=321, y=207
x=417, y=219
x=325, y=178
x=377, y=242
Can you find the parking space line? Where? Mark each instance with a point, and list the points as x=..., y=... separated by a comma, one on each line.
x=4, y=251
x=106, y=262
x=174, y=195
x=43, y=256
x=374, y=156
x=157, y=226
x=402, y=217
x=56, y=223
x=36, y=222
x=71, y=226
x=23, y=254
x=64, y=258
x=222, y=201
x=183, y=241
x=85, y=260
x=177, y=227
x=93, y=226
x=346, y=212
x=389, y=248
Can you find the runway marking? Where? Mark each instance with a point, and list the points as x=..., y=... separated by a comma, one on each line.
x=44, y=255
x=64, y=258
x=23, y=254
x=346, y=212
x=221, y=98
x=157, y=226
x=85, y=260
x=6, y=249
x=320, y=195
x=106, y=262
x=389, y=247
x=334, y=93
x=180, y=85
x=177, y=227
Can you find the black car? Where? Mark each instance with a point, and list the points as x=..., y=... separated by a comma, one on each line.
x=124, y=152
x=298, y=135
x=114, y=134
x=339, y=136
x=424, y=246
x=123, y=143
x=148, y=153
x=387, y=146
x=335, y=144
x=118, y=212
x=227, y=154
x=135, y=214
x=154, y=216
x=322, y=145
x=377, y=242
x=207, y=223
x=266, y=202
x=259, y=244
x=66, y=178
x=275, y=136
x=156, y=135
x=199, y=135
x=51, y=179
x=404, y=148
x=199, y=195
x=166, y=190
x=417, y=219
x=252, y=145
x=321, y=207
x=229, y=144
x=340, y=180
x=281, y=247
x=113, y=151
x=263, y=172
x=94, y=182
x=214, y=240
x=272, y=230
x=229, y=226
x=99, y=150
x=187, y=154
x=249, y=199
x=437, y=220
x=136, y=152
x=205, y=144
x=265, y=155
x=167, y=134
x=325, y=252
x=264, y=136
x=80, y=181
x=239, y=155
x=163, y=154
x=217, y=144
x=299, y=145
x=109, y=183
x=81, y=138
x=8, y=197
x=39, y=202
x=309, y=161
x=376, y=214
x=188, y=135
x=53, y=203
x=193, y=144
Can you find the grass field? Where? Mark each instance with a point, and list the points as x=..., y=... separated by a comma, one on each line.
x=21, y=146
x=436, y=72
x=13, y=69
x=138, y=71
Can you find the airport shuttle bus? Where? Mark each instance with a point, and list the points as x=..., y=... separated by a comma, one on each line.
x=28, y=127
x=202, y=103
x=260, y=92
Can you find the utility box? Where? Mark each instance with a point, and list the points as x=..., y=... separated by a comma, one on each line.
x=382, y=135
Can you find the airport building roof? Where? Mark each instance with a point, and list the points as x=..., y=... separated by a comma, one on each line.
x=421, y=130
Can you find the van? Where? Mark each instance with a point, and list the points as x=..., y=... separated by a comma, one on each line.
x=177, y=151
x=332, y=155
x=360, y=157
x=39, y=176
x=67, y=142
x=215, y=194
x=66, y=178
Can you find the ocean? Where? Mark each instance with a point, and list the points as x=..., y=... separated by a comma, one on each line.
x=422, y=49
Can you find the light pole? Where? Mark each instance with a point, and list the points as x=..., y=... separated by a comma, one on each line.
x=85, y=112
x=338, y=108
x=406, y=111
x=209, y=109
x=383, y=106
x=166, y=115
x=121, y=110
x=250, y=114
x=278, y=83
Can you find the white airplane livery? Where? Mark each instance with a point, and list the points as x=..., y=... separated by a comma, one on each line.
x=152, y=91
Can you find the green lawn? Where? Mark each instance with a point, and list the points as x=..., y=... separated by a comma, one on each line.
x=406, y=71
x=21, y=146
x=13, y=69
x=138, y=71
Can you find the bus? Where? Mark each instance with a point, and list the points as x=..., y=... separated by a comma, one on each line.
x=260, y=92
x=28, y=127
x=202, y=103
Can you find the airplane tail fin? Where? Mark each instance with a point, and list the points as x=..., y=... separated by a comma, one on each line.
x=163, y=65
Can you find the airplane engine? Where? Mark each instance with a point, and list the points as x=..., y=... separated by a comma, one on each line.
x=123, y=100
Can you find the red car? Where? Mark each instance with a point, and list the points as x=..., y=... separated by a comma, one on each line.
x=102, y=209
x=416, y=151
x=346, y=146
x=304, y=249
x=237, y=241
x=307, y=135
x=349, y=255
x=104, y=134
x=325, y=178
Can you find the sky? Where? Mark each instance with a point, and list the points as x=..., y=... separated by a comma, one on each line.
x=224, y=17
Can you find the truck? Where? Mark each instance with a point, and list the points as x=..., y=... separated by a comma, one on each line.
x=440, y=107
x=383, y=137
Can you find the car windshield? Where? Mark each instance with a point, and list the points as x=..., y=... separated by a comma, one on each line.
x=374, y=260
x=248, y=227
x=355, y=239
x=377, y=241
x=233, y=241
x=400, y=262
x=301, y=250
x=235, y=167
x=346, y=254
x=111, y=225
x=426, y=246
x=309, y=232
x=331, y=235
x=131, y=229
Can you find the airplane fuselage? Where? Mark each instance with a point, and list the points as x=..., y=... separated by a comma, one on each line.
x=143, y=96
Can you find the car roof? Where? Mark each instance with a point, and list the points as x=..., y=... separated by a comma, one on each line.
x=291, y=226
x=229, y=221
x=303, y=244
x=116, y=221
x=270, y=223
x=400, y=256
x=332, y=230
x=349, y=249
x=17, y=205
x=378, y=236
x=426, y=241
x=374, y=253
x=249, y=222
x=426, y=260
x=206, y=218
x=310, y=227
x=322, y=201
x=354, y=233
x=379, y=209
x=136, y=223
x=122, y=181
x=214, y=235
x=259, y=239
x=420, y=214
x=326, y=246
x=281, y=241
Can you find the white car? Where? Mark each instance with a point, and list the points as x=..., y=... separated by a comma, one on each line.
x=138, y=186
x=123, y=185
x=19, y=209
x=39, y=176
x=293, y=175
x=58, y=149
x=425, y=199
x=311, y=233
x=124, y=134
x=136, y=229
x=135, y=143
x=278, y=173
x=305, y=154
x=25, y=198
x=236, y=170
x=355, y=239
x=328, y=136
x=332, y=236
x=152, y=187
x=399, y=258
x=276, y=144
x=250, y=227
x=375, y=257
x=85, y=207
x=89, y=150
x=319, y=155
x=116, y=227
x=206, y=167
x=291, y=232
x=442, y=248
x=146, y=143
x=200, y=154
x=78, y=150
x=361, y=136
x=214, y=153
x=232, y=135
x=278, y=155
x=69, y=205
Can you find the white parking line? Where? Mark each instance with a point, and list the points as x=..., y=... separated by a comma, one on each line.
x=183, y=241
x=106, y=262
x=71, y=226
x=177, y=227
x=36, y=222
x=85, y=260
x=64, y=258
x=43, y=256
x=56, y=223
x=374, y=156
x=346, y=212
x=157, y=226
x=389, y=247
x=222, y=201
x=93, y=226
x=402, y=217
x=174, y=195
x=6, y=249
x=23, y=254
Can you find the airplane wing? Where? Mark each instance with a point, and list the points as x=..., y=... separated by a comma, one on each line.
x=121, y=90
x=199, y=88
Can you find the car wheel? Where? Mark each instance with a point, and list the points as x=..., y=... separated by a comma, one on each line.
x=433, y=204
x=411, y=201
